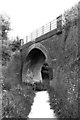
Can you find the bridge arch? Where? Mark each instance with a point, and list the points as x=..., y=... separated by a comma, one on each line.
x=35, y=60
x=39, y=47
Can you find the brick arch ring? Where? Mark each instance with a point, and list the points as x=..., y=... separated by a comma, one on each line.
x=40, y=47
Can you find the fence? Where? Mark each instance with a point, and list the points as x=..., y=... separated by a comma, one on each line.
x=56, y=23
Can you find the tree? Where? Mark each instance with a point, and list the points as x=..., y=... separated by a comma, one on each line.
x=5, y=26
x=16, y=44
x=4, y=29
x=71, y=15
x=70, y=19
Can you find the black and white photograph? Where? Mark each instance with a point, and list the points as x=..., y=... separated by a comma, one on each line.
x=39, y=60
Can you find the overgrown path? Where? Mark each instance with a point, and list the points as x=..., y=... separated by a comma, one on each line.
x=41, y=107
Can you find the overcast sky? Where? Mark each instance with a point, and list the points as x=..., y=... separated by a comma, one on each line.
x=28, y=15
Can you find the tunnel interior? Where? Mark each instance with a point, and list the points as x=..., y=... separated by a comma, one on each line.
x=37, y=69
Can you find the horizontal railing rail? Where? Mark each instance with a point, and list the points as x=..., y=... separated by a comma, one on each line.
x=56, y=23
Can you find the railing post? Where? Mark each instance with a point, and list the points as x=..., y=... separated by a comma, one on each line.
x=21, y=42
x=26, y=39
x=42, y=30
x=59, y=22
x=50, y=26
x=31, y=37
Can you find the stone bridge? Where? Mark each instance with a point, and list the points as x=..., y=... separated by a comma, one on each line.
x=43, y=57
x=51, y=57
x=46, y=56
x=39, y=56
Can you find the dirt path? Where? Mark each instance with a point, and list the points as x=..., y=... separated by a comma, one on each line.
x=41, y=107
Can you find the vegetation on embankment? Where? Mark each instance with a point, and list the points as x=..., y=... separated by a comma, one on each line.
x=16, y=98
x=17, y=102
x=64, y=99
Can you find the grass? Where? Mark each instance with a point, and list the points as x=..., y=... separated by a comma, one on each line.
x=64, y=97
x=17, y=102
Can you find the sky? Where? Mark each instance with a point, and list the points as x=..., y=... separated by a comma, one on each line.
x=28, y=15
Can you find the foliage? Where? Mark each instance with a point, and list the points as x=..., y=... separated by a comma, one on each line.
x=7, y=50
x=17, y=102
x=63, y=91
x=71, y=15
x=6, y=54
x=7, y=46
x=15, y=45
x=17, y=98
x=38, y=86
x=4, y=29
x=70, y=19
x=64, y=100
x=5, y=26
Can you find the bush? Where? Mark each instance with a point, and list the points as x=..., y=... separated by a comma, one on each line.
x=64, y=99
x=17, y=102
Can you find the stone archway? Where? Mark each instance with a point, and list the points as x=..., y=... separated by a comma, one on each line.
x=33, y=69
x=34, y=63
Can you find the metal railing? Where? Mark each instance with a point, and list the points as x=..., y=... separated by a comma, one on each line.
x=45, y=29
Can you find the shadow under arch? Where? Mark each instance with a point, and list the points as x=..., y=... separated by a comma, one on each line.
x=35, y=60
x=39, y=47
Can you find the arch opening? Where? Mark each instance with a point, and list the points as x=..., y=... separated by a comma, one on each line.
x=35, y=60
x=36, y=69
